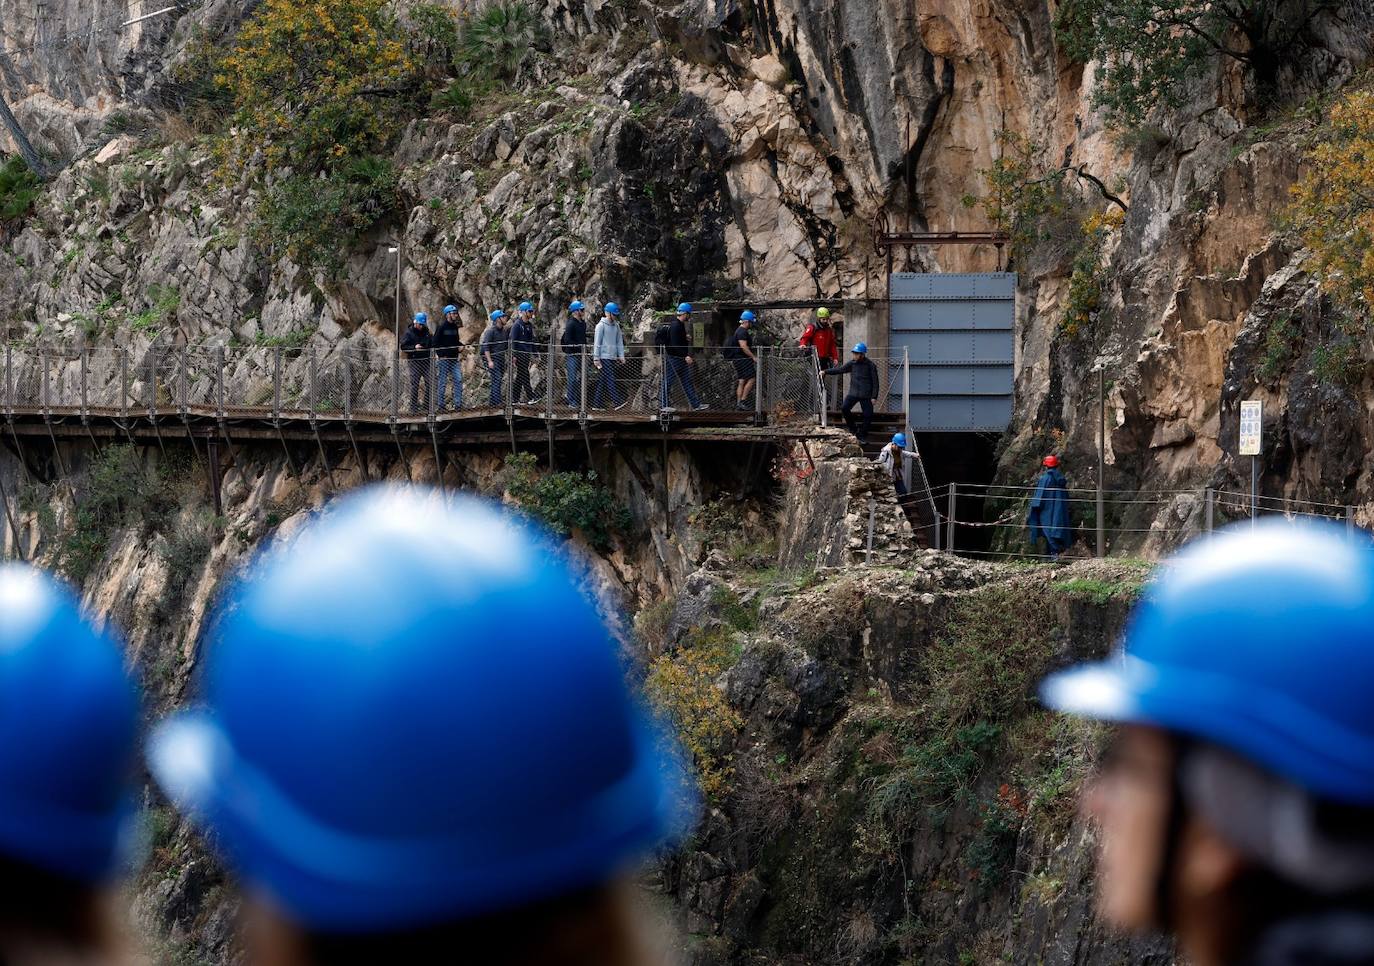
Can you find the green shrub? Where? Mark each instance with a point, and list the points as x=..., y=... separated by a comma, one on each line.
x=682, y=686
x=164, y=300
x=501, y=37
x=19, y=189
x=1282, y=340
x=565, y=501
x=315, y=218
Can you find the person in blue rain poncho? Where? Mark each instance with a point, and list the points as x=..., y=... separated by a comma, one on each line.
x=1049, y=511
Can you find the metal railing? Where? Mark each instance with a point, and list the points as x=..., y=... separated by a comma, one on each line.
x=378, y=385
x=1131, y=517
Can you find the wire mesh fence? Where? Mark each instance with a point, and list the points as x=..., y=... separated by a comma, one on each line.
x=379, y=384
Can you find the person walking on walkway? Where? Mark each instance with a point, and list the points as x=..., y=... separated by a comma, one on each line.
x=741, y=352
x=448, y=347
x=677, y=358
x=863, y=389
x=1235, y=803
x=607, y=352
x=493, y=349
x=416, y=778
x=69, y=723
x=523, y=349
x=415, y=346
x=574, y=345
x=892, y=460
x=1048, y=515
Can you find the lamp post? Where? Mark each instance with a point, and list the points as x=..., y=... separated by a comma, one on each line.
x=395, y=248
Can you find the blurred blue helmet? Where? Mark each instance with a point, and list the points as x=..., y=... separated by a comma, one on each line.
x=1260, y=640
x=576, y=306
x=400, y=756
x=746, y=316
x=684, y=308
x=900, y=439
x=450, y=308
x=421, y=318
x=498, y=314
x=860, y=347
x=68, y=725
x=526, y=307
x=612, y=308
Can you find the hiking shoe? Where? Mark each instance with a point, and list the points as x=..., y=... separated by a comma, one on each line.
x=700, y=406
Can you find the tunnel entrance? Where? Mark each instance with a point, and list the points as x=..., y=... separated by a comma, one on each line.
x=969, y=461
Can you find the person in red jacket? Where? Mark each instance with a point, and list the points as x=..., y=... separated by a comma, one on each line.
x=821, y=336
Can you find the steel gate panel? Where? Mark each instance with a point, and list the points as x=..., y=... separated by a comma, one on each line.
x=958, y=331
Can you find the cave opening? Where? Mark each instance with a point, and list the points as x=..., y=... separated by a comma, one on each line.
x=969, y=462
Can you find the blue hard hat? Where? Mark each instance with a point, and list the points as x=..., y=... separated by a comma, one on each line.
x=526, y=307
x=900, y=439
x=498, y=314
x=68, y=726
x=746, y=316
x=397, y=756
x=576, y=306
x=684, y=308
x=450, y=308
x=612, y=308
x=860, y=347
x=421, y=318
x=1260, y=640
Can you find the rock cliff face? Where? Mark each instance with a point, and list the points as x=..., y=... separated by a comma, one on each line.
x=706, y=148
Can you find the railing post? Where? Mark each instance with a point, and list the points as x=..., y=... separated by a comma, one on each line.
x=183, y=380
x=1209, y=508
x=582, y=382
x=1350, y=523
x=548, y=371
x=906, y=416
x=276, y=382
x=663, y=388
x=1101, y=520
x=347, y=385
x=219, y=381
x=43, y=361
x=395, y=388
x=124, y=383
x=152, y=381
x=820, y=388
x=872, y=516
x=429, y=384
x=314, y=377
x=508, y=378
x=85, y=356
x=758, y=384
x=949, y=533
x=9, y=384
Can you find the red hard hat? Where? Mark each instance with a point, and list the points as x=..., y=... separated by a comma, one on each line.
x=1051, y=460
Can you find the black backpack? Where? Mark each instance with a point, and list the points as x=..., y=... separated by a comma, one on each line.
x=663, y=335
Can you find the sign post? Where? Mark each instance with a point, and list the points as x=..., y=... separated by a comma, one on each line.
x=1251, y=425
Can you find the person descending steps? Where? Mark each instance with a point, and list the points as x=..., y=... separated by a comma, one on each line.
x=863, y=389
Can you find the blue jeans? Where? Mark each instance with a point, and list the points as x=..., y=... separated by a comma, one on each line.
x=449, y=372
x=498, y=378
x=679, y=369
x=573, y=364
x=605, y=383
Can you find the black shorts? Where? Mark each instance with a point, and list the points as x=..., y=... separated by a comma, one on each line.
x=745, y=368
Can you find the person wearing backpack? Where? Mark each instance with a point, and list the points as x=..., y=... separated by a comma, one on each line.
x=448, y=345
x=863, y=389
x=573, y=343
x=608, y=350
x=675, y=347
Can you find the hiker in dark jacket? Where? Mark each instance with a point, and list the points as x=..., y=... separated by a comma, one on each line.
x=493, y=352
x=863, y=389
x=574, y=345
x=448, y=346
x=415, y=346
x=1049, y=511
x=677, y=360
x=523, y=349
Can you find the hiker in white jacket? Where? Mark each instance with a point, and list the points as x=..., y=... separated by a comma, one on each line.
x=608, y=349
